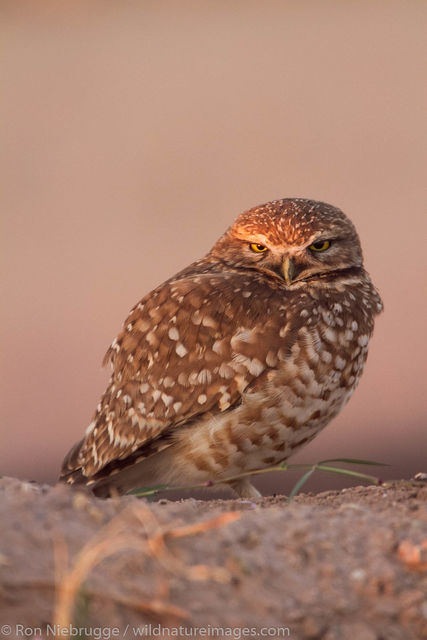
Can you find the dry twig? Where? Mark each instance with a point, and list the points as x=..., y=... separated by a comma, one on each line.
x=119, y=534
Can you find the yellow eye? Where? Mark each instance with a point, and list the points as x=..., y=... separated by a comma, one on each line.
x=258, y=248
x=320, y=246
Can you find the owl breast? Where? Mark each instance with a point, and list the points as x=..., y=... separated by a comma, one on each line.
x=291, y=402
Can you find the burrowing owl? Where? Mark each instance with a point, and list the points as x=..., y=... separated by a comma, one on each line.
x=237, y=361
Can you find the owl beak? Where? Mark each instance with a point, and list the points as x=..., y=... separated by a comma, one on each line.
x=289, y=271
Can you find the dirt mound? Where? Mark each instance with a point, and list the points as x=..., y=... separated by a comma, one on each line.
x=338, y=565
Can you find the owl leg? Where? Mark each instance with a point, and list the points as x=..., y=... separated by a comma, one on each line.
x=244, y=488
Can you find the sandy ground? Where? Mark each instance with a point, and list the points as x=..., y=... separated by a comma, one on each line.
x=348, y=564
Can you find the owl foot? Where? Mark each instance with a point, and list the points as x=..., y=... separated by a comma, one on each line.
x=244, y=488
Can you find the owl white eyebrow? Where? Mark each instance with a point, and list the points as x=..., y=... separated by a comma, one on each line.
x=256, y=239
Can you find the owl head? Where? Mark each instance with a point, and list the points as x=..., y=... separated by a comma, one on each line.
x=293, y=239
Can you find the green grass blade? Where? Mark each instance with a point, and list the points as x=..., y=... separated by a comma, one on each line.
x=354, y=461
x=147, y=491
x=300, y=483
x=347, y=472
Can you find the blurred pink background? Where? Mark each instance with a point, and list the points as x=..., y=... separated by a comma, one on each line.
x=132, y=133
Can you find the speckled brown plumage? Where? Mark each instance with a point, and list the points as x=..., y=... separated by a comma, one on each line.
x=237, y=361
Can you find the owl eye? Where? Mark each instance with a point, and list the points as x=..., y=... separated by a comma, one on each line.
x=257, y=248
x=322, y=245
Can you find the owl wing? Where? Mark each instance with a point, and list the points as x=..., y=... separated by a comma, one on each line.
x=190, y=347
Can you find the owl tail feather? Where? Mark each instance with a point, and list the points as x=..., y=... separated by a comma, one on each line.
x=113, y=480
